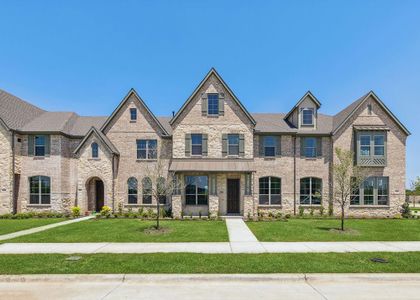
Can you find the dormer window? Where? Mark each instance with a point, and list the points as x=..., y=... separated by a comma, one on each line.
x=133, y=114
x=213, y=104
x=308, y=116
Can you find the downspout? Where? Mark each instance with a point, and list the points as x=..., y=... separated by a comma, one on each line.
x=14, y=200
x=294, y=175
x=113, y=183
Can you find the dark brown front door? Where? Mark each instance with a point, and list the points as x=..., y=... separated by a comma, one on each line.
x=99, y=187
x=233, y=196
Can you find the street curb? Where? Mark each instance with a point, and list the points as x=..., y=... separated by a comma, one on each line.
x=153, y=278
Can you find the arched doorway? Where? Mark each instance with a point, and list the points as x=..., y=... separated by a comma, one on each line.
x=95, y=194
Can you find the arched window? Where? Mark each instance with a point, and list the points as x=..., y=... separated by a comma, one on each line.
x=147, y=190
x=161, y=190
x=39, y=190
x=270, y=190
x=310, y=191
x=95, y=150
x=132, y=190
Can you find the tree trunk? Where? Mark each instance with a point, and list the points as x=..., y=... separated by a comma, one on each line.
x=342, y=218
x=157, y=215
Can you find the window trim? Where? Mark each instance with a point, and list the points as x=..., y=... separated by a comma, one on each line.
x=269, y=191
x=360, y=193
x=228, y=144
x=44, y=146
x=192, y=144
x=132, y=194
x=312, y=116
x=94, y=144
x=216, y=95
x=40, y=194
x=133, y=110
x=196, y=194
x=147, y=150
x=310, y=191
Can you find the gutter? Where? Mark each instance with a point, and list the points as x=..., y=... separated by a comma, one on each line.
x=294, y=175
x=14, y=198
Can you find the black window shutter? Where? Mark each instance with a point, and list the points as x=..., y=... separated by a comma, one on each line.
x=241, y=145
x=278, y=145
x=224, y=145
x=204, y=145
x=204, y=104
x=261, y=145
x=221, y=104
x=188, y=145
x=319, y=146
x=31, y=145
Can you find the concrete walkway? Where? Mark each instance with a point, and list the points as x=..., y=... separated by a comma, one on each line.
x=233, y=247
x=40, y=228
x=241, y=238
x=212, y=286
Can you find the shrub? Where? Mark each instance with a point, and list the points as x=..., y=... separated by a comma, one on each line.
x=182, y=214
x=75, y=211
x=105, y=211
x=270, y=214
x=287, y=216
x=279, y=215
x=199, y=214
x=249, y=216
x=120, y=208
x=311, y=211
x=405, y=210
x=301, y=211
x=321, y=211
x=330, y=210
x=140, y=211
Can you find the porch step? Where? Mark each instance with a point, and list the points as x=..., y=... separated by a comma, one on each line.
x=231, y=217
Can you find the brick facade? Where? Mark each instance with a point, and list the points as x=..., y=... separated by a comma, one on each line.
x=74, y=174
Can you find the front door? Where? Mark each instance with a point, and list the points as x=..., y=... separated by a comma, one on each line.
x=99, y=189
x=233, y=196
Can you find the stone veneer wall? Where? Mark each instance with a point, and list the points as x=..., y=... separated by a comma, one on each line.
x=6, y=177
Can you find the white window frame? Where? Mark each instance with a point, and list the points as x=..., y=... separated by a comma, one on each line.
x=192, y=144
x=233, y=145
x=312, y=116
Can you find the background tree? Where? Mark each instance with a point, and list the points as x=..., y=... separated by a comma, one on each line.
x=347, y=178
x=415, y=187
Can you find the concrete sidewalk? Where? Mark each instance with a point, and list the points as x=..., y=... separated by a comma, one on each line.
x=241, y=238
x=41, y=228
x=233, y=247
x=212, y=286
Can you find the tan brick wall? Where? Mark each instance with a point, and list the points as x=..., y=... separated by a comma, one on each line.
x=6, y=178
x=191, y=121
x=396, y=162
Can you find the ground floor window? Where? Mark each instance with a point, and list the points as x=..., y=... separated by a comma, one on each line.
x=270, y=191
x=132, y=190
x=40, y=190
x=161, y=190
x=147, y=190
x=373, y=191
x=196, y=190
x=310, y=191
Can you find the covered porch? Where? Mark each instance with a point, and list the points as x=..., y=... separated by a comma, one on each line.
x=213, y=187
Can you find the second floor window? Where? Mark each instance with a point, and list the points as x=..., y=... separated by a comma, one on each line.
x=269, y=146
x=146, y=149
x=40, y=145
x=213, y=104
x=371, y=148
x=95, y=150
x=309, y=147
x=307, y=116
x=133, y=114
x=233, y=144
x=196, y=144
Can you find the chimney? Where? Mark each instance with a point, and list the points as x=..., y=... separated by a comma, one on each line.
x=173, y=113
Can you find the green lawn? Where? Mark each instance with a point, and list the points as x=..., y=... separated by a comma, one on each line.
x=406, y=262
x=295, y=230
x=130, y=230
x=13, y=225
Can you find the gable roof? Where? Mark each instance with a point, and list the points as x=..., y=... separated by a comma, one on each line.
x=307, y=94
x=341, y=118
x=190, y=98
x=102, y=137
x=142, y=103
x=16, y=112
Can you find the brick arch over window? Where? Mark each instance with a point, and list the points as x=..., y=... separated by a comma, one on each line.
x=270, y=190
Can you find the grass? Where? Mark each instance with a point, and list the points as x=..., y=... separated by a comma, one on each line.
x=13, y=225
x=406, y=262
x=299, y=230
x=130, y=230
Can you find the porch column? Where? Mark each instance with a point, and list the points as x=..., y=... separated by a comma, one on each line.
x=176, y=206
x=213, y=206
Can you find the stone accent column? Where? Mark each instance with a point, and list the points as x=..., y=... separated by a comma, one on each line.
x=248, y=206
x=176, y=206
x=213, y=206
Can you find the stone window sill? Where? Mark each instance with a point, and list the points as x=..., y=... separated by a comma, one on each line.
x=38, y=205
x=368, y=206
x=309, y=205
x=197, y=205
x=39, y=157
x=270, y=205
x=139, y=204
x=133, y=121
x=146, y=160
x=94, y=159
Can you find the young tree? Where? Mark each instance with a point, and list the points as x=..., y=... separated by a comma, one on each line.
x=347, y=177
x=163, y=185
